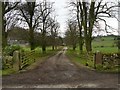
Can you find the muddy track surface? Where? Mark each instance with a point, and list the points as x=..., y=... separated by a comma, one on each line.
x=57, y=72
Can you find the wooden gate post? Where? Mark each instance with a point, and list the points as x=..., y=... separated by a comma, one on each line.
x=94, y=60
x=16, y=60
x=98, y=58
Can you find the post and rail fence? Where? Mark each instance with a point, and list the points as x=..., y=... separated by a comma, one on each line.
x=19, y=60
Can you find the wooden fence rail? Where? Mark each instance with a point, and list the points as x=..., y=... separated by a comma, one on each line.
x=26, y=59
x=19, y=60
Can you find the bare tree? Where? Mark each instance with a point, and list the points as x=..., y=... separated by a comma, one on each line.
x=46, y=10
x=6, y=8
x=80, y=22
x=28, y=13
x=77, y=7
x=92, y=13
x=54, y=32
x=72, y=34
x=36, y=16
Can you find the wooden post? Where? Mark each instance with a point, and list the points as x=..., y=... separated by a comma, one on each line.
x=16, y=60
x=98, y=59
x=94, y=61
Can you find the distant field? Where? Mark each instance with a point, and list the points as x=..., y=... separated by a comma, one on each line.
x=105, y=44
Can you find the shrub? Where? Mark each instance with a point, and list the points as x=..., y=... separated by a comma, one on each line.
x=7, y=62
x=10, y=49
x=107, y=66
x=99, y=67
x=102, y=46
x=113, y=46
x=102, y=40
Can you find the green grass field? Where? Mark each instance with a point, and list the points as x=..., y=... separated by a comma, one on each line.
x=80, y=59
x=104, y=45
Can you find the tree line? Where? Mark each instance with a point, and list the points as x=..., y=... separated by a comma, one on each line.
x=38, y=17
x=86, y=18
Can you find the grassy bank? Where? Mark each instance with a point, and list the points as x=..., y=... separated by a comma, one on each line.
x=88, y=61
x=80, y=59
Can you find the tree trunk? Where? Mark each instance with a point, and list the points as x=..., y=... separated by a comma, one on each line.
x=44, y=39
x=74, y=47
x=80, y=26
x=4, y=37
x=43, y=44
x=43, y=48
x=89, y=45
x=81, y=45
x=56, y=47
x=85, y=24
x=118, y=44
x=53, y=43
x=31, y=39
x=91, y=24
x=53, y=48
x=4, y=33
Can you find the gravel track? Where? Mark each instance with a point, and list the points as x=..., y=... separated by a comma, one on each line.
x=58, y=72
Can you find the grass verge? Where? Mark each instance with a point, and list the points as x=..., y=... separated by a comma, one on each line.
x=87, y=60
x=80, y=59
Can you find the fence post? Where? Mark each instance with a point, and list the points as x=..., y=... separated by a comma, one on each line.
x=98, y=58
x=94, y=60
x=16, y=60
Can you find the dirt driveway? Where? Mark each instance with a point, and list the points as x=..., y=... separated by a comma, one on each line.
x=57, y=72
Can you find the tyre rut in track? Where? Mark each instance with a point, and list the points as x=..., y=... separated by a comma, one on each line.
x=59, y=70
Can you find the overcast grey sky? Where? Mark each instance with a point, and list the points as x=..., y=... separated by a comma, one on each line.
x=63, y=14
